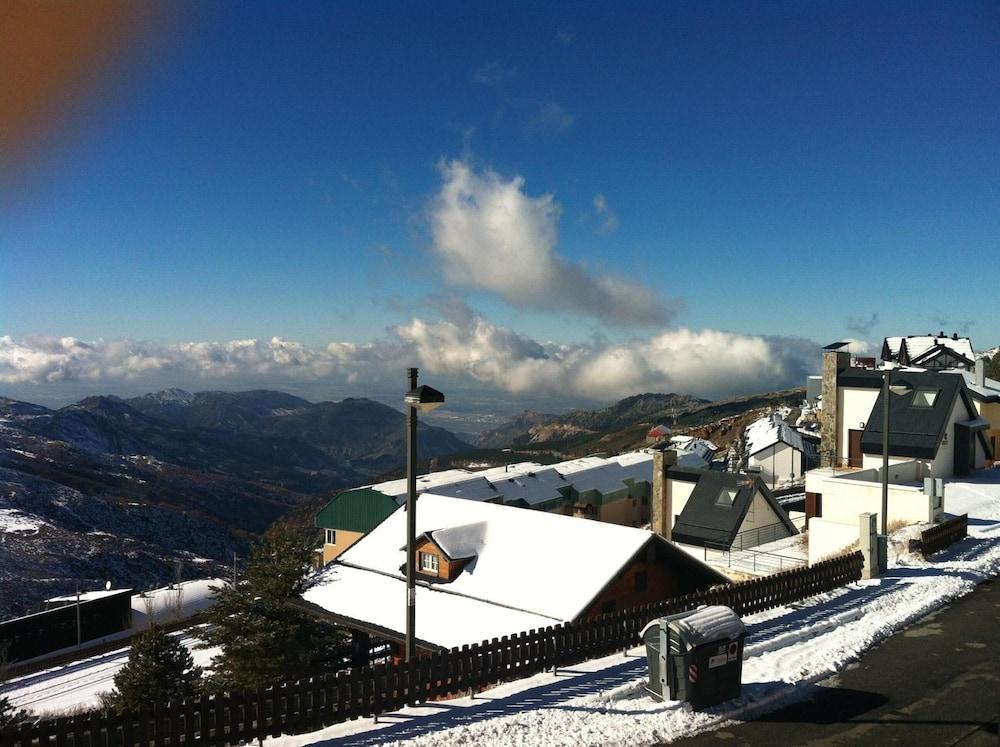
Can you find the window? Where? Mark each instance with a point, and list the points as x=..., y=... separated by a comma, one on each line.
x=925, y=397
x=641, y=580
x=727, y=496
x=331, y=536
x=429, y=563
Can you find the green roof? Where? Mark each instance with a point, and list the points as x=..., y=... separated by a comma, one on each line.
x=358, y=510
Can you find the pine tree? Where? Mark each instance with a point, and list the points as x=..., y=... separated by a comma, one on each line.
x=10, y=716
x=262, y=640
x=992, y=366
x=159, y=669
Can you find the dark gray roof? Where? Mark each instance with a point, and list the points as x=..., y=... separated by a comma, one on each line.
x=835, y=345
x=704, y=522
x=913, y=431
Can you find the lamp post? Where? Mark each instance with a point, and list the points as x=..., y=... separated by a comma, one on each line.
x=887, y=389
x=425, y=399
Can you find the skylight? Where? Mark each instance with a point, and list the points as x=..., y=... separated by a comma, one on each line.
x=925, y=397
x=726, y=497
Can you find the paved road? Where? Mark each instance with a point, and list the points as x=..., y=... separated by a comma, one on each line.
x=936, y=683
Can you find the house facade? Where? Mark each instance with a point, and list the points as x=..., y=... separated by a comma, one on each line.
x=776, y=449
x=715, y=510
x=486, y=570
x=931, y=352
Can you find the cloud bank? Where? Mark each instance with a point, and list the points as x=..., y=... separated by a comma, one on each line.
x=491, y=235
x=468, y=349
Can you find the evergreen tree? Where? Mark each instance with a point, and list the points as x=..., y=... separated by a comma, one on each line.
x=262, y=640
x=992, y=366
x=159, y=669
x=10, y=716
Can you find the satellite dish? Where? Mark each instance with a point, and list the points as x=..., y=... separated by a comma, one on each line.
x=107, y=586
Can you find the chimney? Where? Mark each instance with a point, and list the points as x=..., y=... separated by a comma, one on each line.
x=833, y=361
x=980, y=372
x=662, y=518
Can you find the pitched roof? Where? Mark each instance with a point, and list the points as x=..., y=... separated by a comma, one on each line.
x=770, y=430
x=916, y=347
x=915, y=430
x=707, y=520
x=536, y=567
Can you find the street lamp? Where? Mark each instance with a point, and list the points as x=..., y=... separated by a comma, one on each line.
x=887, y=388
x=425, y=399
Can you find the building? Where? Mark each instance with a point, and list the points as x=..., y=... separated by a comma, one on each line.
x=932, y=352
x=935, y=423
x=487, y=570
x=615, y=490
x=777, y=450
x=715, y=510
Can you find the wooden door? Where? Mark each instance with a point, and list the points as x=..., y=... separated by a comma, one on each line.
x=854, y=448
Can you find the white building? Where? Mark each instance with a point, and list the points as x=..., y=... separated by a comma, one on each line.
x=777, y=449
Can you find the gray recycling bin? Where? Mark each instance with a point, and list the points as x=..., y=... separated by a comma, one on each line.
x=696, y=656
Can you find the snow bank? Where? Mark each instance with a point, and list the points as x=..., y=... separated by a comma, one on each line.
x=788, y=648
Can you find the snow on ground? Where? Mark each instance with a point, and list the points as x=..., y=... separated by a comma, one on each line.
x=78, y=685
x=13, y=521
x=789, y=649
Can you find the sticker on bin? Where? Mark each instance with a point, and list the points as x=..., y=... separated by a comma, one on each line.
x=734, y=649
x=717, y=661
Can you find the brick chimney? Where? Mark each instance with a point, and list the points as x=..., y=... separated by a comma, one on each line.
x=662, y=514
x=833, y=361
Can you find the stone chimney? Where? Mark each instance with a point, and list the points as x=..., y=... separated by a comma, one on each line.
x=833, y=361
x=662, y=514
x=980, y=372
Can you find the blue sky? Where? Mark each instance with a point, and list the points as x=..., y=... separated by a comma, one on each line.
x=261, y=170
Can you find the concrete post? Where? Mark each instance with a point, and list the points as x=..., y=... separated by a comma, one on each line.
x=869, y=545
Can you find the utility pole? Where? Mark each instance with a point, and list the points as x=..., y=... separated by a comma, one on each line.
x=79, y=635
x=411, y=519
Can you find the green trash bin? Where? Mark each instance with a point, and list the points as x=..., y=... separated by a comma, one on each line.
x=696, y=656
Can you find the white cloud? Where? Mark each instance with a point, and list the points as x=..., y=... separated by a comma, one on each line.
x=490, y=234
x=470, y=350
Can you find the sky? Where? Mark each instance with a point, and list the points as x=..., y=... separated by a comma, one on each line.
x=576, y=201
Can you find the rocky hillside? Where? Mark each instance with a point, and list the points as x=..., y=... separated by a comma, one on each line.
x=108, y=489
x=623, y=425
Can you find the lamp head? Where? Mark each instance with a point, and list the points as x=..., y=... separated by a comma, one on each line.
x=424, y=398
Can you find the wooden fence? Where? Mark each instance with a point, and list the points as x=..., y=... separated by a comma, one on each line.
x=944, y=534
x=309, y=705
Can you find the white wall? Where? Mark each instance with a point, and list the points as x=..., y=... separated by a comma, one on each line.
x=776, y=463
x=680, y=491
x=901, y=469
x=760, y=514
x=844, y=499
x=854, y=406
x=828, y=538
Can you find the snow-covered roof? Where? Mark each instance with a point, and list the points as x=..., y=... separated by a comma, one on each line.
x=530, y=482
x=465, y=541
x=917, y=345
x=87, y=596
x=770, y=430
x=173, y=603
x=990, y=388
x=535, y=563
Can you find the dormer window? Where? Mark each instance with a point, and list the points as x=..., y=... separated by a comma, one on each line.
x=925, y=397
x=429, y=563
x=727, y=496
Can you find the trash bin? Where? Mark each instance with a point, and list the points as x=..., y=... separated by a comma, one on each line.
x=696, y=656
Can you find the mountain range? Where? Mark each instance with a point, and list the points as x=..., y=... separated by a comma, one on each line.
x=125, y=490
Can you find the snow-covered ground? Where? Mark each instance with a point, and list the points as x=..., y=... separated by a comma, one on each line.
x=78, y=686
x=788, y=650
